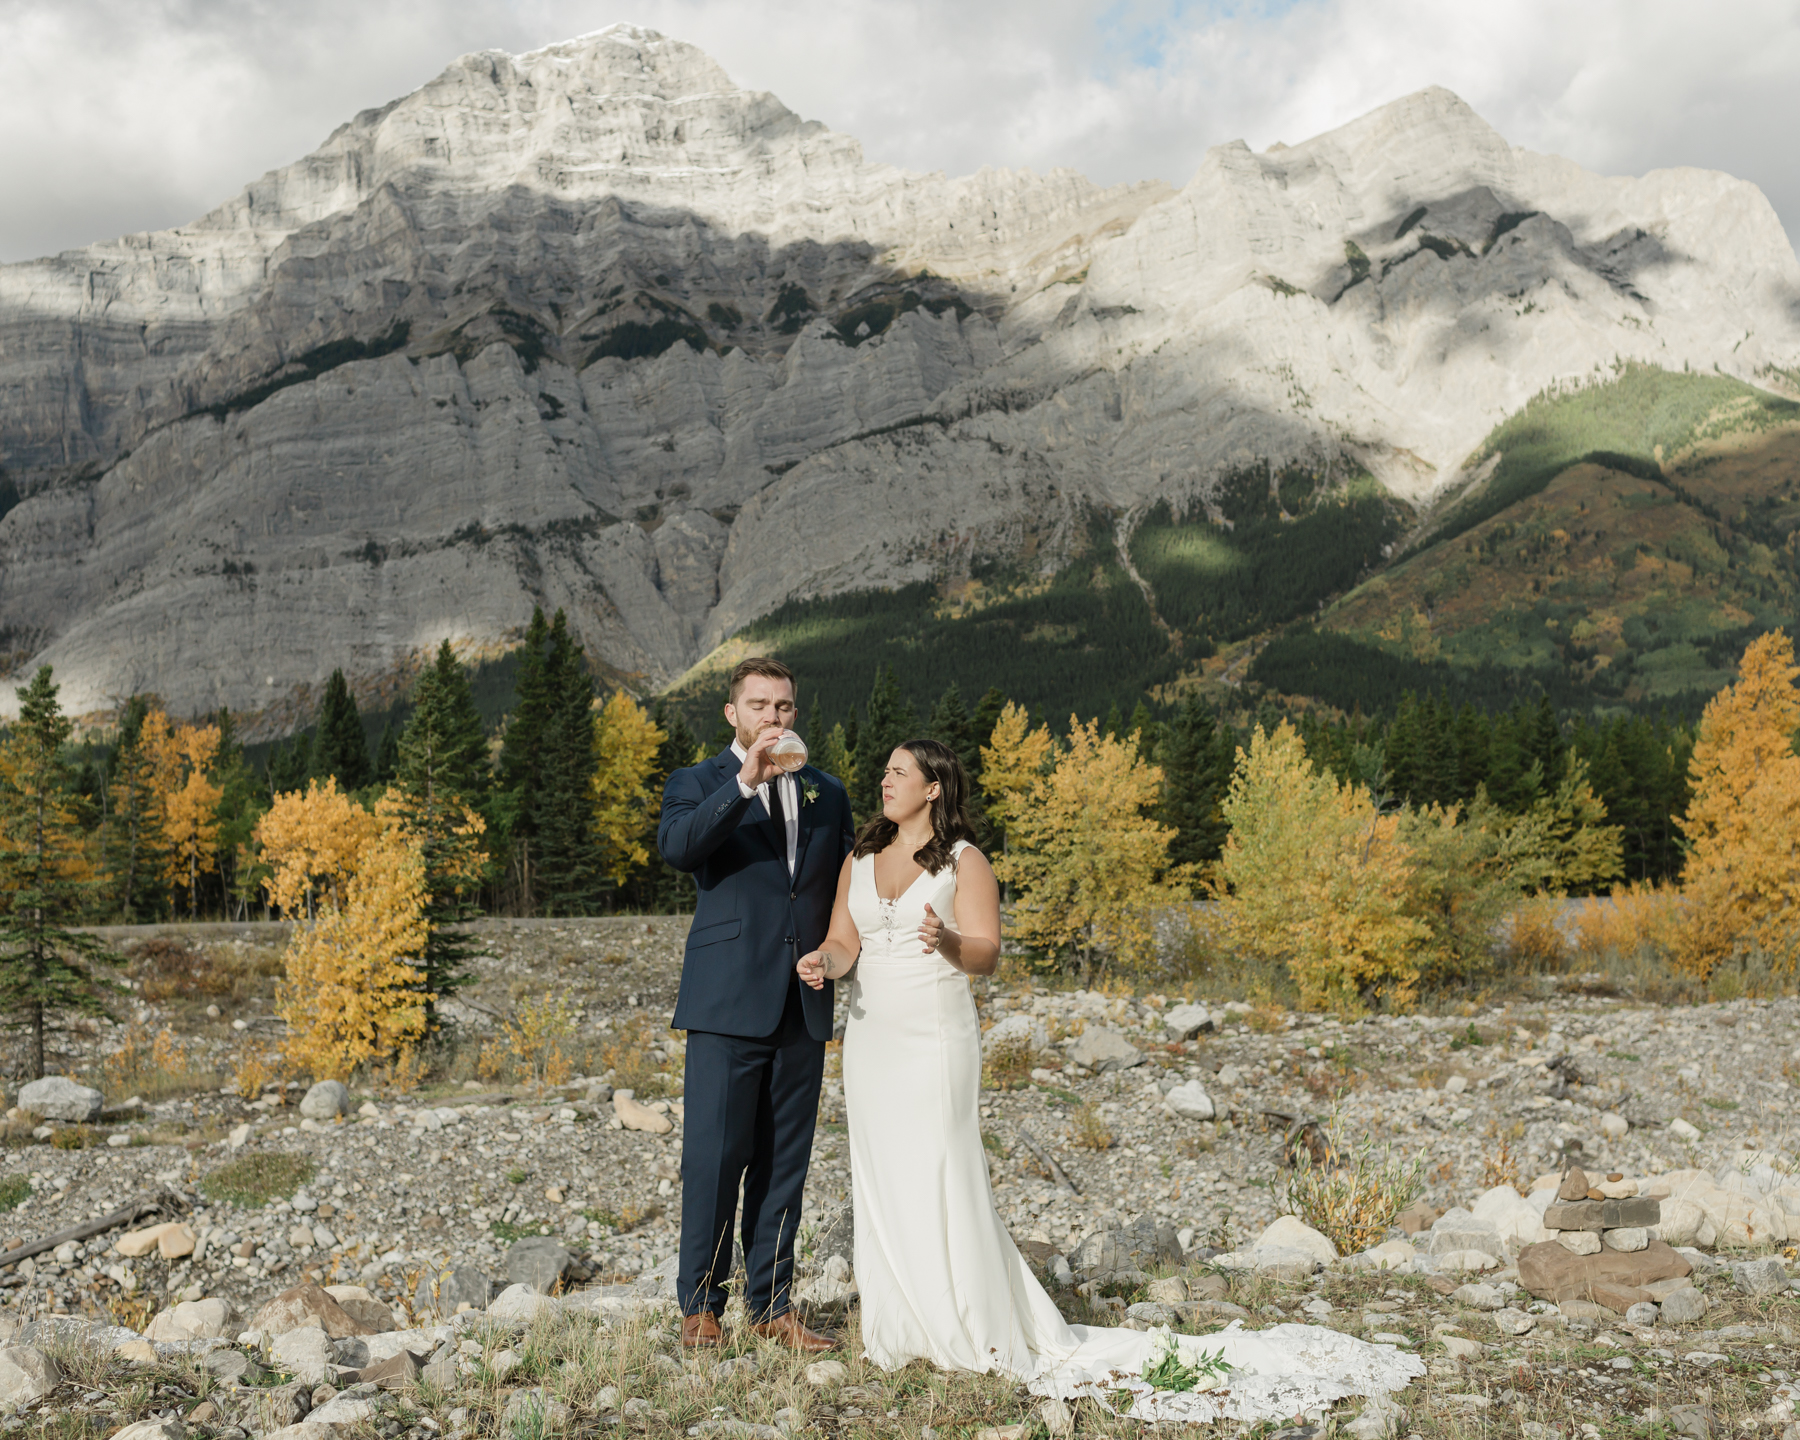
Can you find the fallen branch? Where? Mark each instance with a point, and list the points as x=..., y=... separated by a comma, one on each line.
x=163, y=1202
x=1043, y=1157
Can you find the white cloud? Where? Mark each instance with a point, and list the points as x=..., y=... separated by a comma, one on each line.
x=126, y=115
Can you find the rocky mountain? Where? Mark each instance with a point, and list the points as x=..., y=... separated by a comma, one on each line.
x=595, y=328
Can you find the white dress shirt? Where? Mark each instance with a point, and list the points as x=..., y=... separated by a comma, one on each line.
x=790, y=803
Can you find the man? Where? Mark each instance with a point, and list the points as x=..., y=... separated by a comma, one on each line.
x=764, y=848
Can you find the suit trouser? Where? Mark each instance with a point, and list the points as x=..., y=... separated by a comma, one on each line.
x=749, y=1107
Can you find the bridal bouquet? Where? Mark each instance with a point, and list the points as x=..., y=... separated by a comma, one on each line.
x=1168, y=1369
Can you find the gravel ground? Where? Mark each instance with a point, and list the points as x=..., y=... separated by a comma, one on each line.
x=456, y=1171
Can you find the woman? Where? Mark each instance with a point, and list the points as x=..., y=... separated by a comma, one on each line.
x=917, y=912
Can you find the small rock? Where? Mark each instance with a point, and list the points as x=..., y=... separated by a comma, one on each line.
x=26, y=1373
x=1058, y=1418
x=1684, y=1307
x=1693, y=1421
x=1614, y=1127
x=1514, y=1322
x=1458, y=1348
x=1456, y=1084
x=1171, y=1291
x=306, y=1353
x=1681, y=1130
x=137, y=1352
x=639, y=1117
x=1100, y=1049
x=1478, y=1297
x=537, y=1261
x=326, y=1101
x=1477, y=1260
x=1190, y=1101
x=356, y=1302
x=305, y=1305
x=1391, y=1255
x=135, y=1244
x=1574, y=1185
x=153, y=1430
x=342, y=1410
x=1290, y=1232
x=194, y=1320
x=397, y=1372
x=1579, y=1242
x=1627, y=1238
x=1382, y=1417
x=56, y=1097
x=521, y=1302
x=1021, y=1033
x=1643, y=1313
x=239, y=1137
x=1760, y=1277
x=1184, y=1022
x=827, y=1372
x=301, y=1237
x=444, y=1293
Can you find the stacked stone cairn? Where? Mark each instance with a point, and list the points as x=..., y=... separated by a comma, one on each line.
x=1603, y=1247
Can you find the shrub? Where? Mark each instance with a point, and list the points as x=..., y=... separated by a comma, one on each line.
x=634, y=1066
x=1354, y=1201
x=1088, y=1129
x=13, y=1190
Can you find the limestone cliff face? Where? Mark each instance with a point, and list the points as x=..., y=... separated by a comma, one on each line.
x=592, y=327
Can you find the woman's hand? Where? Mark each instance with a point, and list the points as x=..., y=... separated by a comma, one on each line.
x=813, y=968
x=935, y=935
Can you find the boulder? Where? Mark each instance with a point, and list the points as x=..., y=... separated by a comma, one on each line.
x=26, y=1374
x=1190, y=1101
x=521, y=1302
x=1146, y=1241
x=639, y=1117
x=1391, y=1255
x=1686, y=1223
x=1020, y=1034
x=1760, y=1277
x=176, y=1242
x=326, y=1101
x=1099, y=1048
x=1292, y=1233
x=1458, y=1229
x=1684, y=1307
x=305, y=1352
x=1551, y=1273
x=1184, y=1022
x=1514, y=1217
x=446, y=1293
x=1603, y=1214
x=362, y=1307
x=305, y=1305
x=537, y=1261
x=400, y=1371
x=195, y=1320
x=1467, y=1260
x=56, y=1097
x=135, y=1244
x=836, y=1235
x=826, y=1373
x=345, y=1410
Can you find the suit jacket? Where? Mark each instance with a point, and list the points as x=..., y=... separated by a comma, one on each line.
x=753, y=920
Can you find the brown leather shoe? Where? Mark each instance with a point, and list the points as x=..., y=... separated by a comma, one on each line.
x=701, y=1332
x=791, y=1333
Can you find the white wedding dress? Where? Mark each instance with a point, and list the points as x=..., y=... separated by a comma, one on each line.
x=940, y=1276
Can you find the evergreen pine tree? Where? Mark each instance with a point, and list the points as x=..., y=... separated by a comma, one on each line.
x=134, y=850
x=46, y=966
x=569, y=869
x=387, y=751
x=1149, y=733
x=987, y=716
x=891, y=721
x=240, y=807
x=664, y=889
x=340, y=748
x=951, y=724
x=1198, y=755
x=288, y=764
x=521, y=764
x=1114, y=724
x=441, y=775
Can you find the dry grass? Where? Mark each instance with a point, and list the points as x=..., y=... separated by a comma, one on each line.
x=634, y=1059
x=1088, y=1129
x=1007, y=1064
x=1500, y=1163
x=536, y=1043
x=155, y=1067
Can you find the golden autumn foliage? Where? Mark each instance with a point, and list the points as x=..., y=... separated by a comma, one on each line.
x=1315, y=878
x=184, y=798
x=1013, y=761
x=310, y=841
x=351, y=992
x=1088, y=865
x=626, y=805
x=1742, y=880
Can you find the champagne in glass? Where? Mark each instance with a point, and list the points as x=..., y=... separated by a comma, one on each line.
x=789, y=752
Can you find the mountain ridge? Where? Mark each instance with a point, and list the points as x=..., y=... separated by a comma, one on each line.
x=593, y=328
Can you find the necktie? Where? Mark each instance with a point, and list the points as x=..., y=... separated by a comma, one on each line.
x=776, y=813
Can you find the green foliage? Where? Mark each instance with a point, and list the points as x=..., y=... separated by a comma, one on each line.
x=1634, y=422
x=1272, y=564
x=340, y=745
x=890, y=721
x=47, y=967
x=791, y=310
x=1197, y=756
x=256, y=1180
x=659, y=888
x=951, y=723
x=13, y=1190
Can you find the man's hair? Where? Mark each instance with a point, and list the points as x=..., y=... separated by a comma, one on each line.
x=758, y=665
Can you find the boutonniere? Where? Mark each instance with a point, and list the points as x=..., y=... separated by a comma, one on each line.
x=808, y=794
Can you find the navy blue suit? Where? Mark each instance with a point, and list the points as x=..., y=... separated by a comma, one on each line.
x=756, y=1035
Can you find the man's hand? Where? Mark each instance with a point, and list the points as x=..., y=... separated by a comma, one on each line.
x=811, y=968
x=759, y=768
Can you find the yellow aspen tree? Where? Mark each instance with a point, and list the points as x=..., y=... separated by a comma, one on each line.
x=626, y=805
x=187, y=800
x=1088, y=865
x=351, y=991
x=1742, y=878
x=1013, y=760
x=1315, y=878
x=310, y=840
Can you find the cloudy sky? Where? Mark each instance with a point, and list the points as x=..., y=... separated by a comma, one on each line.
x=124, y=115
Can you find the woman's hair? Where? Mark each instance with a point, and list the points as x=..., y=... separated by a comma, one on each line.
x=949, y=812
